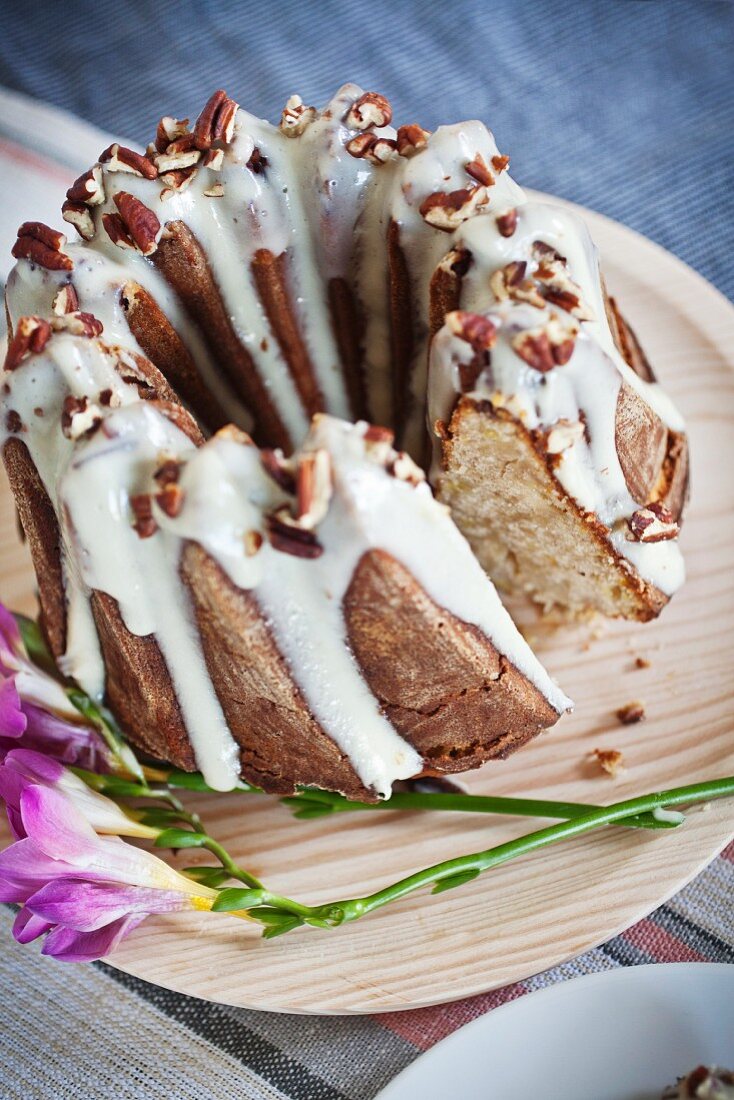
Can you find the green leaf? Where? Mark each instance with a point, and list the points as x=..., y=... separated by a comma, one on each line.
x=207, y=876
x=180, y=838
x=155, y=816
x=454, y=881
x=273, y=930
x=35, y=644
x=235, y=898
x=194, y=781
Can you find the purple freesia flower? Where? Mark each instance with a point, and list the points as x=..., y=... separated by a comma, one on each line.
x=83, y=891
x=35, y=710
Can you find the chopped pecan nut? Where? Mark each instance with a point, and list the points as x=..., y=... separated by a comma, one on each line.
x=214, y=159
x=563, y=434
x=653, y=523
x=170, y=499
x=447, y=210
x=370, y=147
x=13, y=422
x=287, y=536
x=500, y=162
x=177, y=180
x=545, y=348
x=116, y=230
x=216, y=121
x=78, y=324
x=140, y=222
x=510, y=282
x=373, y=433
x=296, y=117
x=169, y=130
x=79, y=417
x=507, y=222
x=280, y=469
x=610, y=761
x=405, y=469
x=411, y=139
x=118, y=158
x=481, y=334
x=142, y=509
x=371, y=109
x=79, y=215
x=177, y=160
x=30, y=336
x=314, y=488
x=457, y=261
x=65, y=300
x=257, y=162
x=253, y=542
x=88, y=188
x=631, y=713
x=42, y=246
x=216, y=191
x=478, y=169
x=556, y=285
x=168, y=472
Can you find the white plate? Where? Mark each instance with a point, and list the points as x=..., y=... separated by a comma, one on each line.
x=619, y=1035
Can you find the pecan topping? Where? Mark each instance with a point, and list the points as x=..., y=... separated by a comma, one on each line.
x=78, y=417
x=216, y=121
x=378, y=444
x=140, y=223
x=65, y=300
x=405, y=469
x=457, y=261
x=216, y=191
x=370, y=147
x=653, y=523
x=481, y=334
x=253, y=542
x=500, y=162
x=257, y=162
x=177, y=180
x=610, y=761
x=213, y=159
x=507, y=222
x=42, y=246
x=118, y=158
x=447, y=210
x=478, y=169
x=545, y=348
x=411, y=139
x=287, y=536
x=142, y=509
x=510, y=282
x=563, y=434
x=117, y=231
x=631, y=713
x=168, y=472
x=79, y=215
x=170, y=499
x=313, y=488
x=175, y=160
x=169, y=130
x=13, y=422
x=31, y=335
x=280, y=469
x=373, y=433
x=296, y=117
x=77, y=323
x=371, y=109
x=88, y=188
x=556, y=285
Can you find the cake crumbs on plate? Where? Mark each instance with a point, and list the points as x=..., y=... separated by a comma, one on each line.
x=631, y=713
x=611, y=761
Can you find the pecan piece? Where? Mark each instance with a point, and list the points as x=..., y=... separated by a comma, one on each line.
x=213, y=159
x=13, y=422
x=279, y=469
x=78, y=417
x=118, y=158
x=631, y=713
x=405, y=469
x=142, y=509
x=296, y=117
x=371, y=109
x=610, y=761
x=481, y=334
x=314, y=488
x=168, y=130
x=139, y=221
x=411, y=139
x=88, y=188
x=65, y=300
x=563, y=434
x=370, y=147
x=170, y=499
x=507, y=222
x=510, y=282
x=216, y=191
x=42, y=246
x=173, y=160
x=547, y=347
x=253, y=542
x=31, y=336
x=653, y=523
x=257, y=162
x=500, y=162
x=478, y=169
x=78, y=324
x=79, y=215
x=287, y=536
x=446, y=210
x=116, y=230
x=216, y=121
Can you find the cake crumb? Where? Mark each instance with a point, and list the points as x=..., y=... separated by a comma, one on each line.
x=610, y=761
x=631, y=713
x=642, y=662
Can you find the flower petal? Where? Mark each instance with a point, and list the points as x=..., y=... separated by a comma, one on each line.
x=69, y=742
x=24, y=869
x=35, y=766
x=28, y=927
x=11, y=643
x=57, y=827
x=70, y=946
x=87, y=906
x=13, y=721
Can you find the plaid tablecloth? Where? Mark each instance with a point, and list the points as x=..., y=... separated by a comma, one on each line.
x=625, y=107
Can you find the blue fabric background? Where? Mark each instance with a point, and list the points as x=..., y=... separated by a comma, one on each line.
x=624, y=106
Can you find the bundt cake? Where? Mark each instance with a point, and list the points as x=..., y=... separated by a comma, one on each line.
x=292, y=604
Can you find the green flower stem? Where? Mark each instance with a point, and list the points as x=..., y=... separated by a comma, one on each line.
x=465, y=867
x=229, y=864
x=312, y=803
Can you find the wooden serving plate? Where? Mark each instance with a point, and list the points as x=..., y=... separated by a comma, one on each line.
x=543, y=909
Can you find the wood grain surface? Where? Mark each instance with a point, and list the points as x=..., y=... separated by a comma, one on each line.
x=536, y=912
